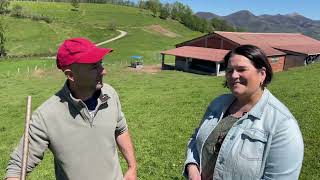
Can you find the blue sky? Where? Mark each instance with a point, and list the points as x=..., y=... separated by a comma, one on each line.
x=307, y=8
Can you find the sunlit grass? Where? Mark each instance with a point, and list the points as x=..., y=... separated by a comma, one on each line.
x=162, y=110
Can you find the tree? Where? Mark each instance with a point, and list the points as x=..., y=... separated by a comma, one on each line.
x=165, y=11
x=221, y=25
x=4, y=4
x=3, y=51
x=177, y=11
x=204, y=26
x=142, y=4
x=75, y=4
x=153, y=6
x=17, y=11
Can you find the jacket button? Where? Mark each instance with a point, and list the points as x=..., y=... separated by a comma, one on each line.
x=232, y=137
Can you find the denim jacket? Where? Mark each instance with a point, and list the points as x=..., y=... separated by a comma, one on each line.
x=265, y=143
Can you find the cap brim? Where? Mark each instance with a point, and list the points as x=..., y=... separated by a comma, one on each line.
x=94, y=55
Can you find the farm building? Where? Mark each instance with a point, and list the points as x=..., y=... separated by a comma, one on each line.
x=205, y=54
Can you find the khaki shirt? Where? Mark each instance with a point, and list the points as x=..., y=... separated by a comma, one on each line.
x=83, y=147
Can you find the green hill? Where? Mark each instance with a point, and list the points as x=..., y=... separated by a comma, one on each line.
x=147, y=35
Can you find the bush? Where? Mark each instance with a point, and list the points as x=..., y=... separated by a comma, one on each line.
x=3, y=51
x=4, y=4
x=17, y=11
x=41, y=18
x=112, y=26
x=165, y=11
x=75, y=4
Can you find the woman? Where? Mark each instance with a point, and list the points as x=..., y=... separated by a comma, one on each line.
x=248, y=134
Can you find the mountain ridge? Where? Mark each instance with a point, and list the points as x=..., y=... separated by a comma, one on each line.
x=288, y=23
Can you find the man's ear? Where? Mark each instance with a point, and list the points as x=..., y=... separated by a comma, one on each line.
x=69, y=74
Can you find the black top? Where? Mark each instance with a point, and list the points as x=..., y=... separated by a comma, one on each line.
x=212, y=146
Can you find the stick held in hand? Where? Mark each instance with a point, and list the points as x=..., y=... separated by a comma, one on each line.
x=26, y=140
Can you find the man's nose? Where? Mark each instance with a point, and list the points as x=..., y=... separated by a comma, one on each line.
x=103, y=71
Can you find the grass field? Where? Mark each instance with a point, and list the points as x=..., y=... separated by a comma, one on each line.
x=162, y=110
x=27, y=37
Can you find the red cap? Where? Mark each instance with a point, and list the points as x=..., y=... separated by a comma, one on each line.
x=79, y=50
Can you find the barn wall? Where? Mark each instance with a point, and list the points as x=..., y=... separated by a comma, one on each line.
x=278, y=65
x=294, y=61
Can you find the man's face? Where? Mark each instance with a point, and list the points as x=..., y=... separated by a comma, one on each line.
x=88, y=77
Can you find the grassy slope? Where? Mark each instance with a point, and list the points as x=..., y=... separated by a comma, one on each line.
x=30, y=37
x=162, y=110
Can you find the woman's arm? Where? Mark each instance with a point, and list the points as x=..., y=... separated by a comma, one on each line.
x=285, y=157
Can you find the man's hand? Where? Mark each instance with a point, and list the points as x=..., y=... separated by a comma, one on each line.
x=131, y=174
x=193, y=172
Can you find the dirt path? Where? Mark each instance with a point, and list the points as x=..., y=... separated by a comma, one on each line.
x=122, y=34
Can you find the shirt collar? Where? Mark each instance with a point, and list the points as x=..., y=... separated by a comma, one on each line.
x=103, y=97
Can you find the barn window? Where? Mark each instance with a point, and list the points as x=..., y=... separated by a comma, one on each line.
x=274, y=59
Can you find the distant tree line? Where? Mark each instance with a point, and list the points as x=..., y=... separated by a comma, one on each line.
x=118, y=2
x=185, y=15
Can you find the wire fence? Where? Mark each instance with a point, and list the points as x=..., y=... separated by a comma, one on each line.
x=26, y=70
x=28, y=67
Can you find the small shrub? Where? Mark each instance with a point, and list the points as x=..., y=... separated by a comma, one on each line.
x=41, y=18
x=75, y=4
x=112, y=26
x=3, y=39
x=17, y=11
x=4, y=4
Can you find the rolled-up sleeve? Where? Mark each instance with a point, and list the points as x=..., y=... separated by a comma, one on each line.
x=121, y=121
x=192, y=156
x=38, y=143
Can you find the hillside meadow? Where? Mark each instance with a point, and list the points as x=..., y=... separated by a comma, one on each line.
x=162, y=109
x=147, y=35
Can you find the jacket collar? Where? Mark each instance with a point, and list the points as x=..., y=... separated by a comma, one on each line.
x=256, y=111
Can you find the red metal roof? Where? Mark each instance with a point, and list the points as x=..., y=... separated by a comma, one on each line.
x=267, y=41
x=310, y=49
x=209, y=54
x=269, y=51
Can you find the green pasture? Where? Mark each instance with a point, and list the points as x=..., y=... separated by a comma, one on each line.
x=37, y=38
x=162, y=110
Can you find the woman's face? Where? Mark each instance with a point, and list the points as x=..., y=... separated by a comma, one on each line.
x=243, y=79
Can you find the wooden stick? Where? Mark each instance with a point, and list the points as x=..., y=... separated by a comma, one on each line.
x=26, y=141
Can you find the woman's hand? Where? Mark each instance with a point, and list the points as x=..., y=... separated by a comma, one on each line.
x=193, y=172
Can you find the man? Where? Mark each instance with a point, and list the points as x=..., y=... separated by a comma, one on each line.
x=81, y=124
